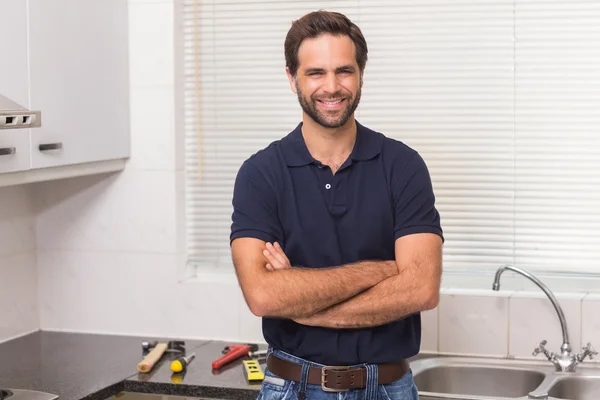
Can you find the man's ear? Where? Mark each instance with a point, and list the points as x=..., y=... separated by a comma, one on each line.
x=291, y=79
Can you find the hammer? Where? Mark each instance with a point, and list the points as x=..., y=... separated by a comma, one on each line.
x=156, y=351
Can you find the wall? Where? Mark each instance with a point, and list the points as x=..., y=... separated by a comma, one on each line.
x=108, y=245
x=18, y=274
x=509, y=323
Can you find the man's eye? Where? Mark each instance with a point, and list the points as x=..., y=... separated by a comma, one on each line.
x=314, y=73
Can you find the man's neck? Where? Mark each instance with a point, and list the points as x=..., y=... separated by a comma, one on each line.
x=329, y=143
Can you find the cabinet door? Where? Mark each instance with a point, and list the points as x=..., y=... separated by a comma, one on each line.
x=14, y=150
x=79, y=81
x=14, y=82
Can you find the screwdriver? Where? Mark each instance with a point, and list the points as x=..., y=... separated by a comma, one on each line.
x=180, y=364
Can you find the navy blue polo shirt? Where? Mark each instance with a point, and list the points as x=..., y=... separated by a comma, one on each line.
x=382, y=192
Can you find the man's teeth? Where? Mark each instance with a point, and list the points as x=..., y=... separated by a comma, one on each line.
x=331, y=102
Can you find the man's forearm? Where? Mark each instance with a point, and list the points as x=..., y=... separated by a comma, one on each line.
x=299, y=292
x=389, y=300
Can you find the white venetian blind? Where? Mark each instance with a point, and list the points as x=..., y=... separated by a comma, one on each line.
x=557, y=148
x=441, y=80
x=512, y=154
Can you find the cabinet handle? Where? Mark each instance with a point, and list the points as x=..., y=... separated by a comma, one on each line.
x=50, y=146
x=7, y=151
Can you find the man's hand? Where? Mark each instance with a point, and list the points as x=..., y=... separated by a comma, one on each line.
x=276, y=258
x=299, y=291
x=416, y=288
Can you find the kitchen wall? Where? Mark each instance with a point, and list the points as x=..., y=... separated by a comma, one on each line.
x=108, y=247
x=18, y=273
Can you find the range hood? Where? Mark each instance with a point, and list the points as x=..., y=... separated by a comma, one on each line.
x=15, y=116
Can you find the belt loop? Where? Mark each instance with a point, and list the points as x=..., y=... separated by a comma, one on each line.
x=372, y=382
x=303, y=381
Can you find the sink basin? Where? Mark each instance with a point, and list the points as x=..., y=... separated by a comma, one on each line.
x=20, y=394
x=483, y=378
x=576, y=388
x=5, y=394
x=479, y=380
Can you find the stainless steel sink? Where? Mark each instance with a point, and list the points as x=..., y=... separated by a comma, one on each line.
x=475, y=378
x=20, y=394
x=579, y=388
x=479, y=381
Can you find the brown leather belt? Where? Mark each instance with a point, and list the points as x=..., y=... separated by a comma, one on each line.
x=336, y=379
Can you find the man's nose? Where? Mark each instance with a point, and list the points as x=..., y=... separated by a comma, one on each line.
x=332, y=83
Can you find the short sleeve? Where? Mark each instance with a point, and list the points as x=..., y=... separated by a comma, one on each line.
x=254, y=206
x=414, y=200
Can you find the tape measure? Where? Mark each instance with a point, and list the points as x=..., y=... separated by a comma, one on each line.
x=253, y=371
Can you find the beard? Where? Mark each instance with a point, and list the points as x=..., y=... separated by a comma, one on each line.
x=325, y=118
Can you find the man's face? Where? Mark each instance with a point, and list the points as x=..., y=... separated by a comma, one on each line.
x=328, y=82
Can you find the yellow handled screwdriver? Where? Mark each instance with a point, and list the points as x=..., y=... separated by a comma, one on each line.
x=180, y=364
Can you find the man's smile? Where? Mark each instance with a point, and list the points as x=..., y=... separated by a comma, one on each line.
x=332, y=104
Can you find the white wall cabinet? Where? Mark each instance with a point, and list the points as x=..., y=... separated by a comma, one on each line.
x=69, y=60
x=79, y=80
x=14, y=82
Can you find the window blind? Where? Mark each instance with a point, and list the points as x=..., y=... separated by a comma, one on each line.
x=499, y=97
x=557, y=143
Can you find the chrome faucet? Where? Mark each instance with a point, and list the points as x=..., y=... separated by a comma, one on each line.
x=565, y=361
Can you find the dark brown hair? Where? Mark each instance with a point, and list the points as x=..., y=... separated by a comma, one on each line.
x=316, y=23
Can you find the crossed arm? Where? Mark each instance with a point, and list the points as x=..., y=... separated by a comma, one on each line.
x=364, y=294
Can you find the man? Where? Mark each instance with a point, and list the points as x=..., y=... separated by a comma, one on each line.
x=335, y=237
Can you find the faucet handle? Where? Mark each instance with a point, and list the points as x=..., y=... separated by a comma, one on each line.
x=588, y=351
x=542, y=349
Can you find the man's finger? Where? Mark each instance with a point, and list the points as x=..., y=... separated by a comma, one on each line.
x=281, y=258
x=280, y=254
x=275, y=263
x=269, y=267
x=280, y=250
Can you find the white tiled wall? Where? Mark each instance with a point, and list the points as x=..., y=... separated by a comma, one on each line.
x=590, y=321
x=474, y=314
x=18, y=274
x=513, y=323
x=108, y=245
x=533, y=319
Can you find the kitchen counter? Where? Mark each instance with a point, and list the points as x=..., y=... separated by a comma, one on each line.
x=199, y=380
x=95, y=367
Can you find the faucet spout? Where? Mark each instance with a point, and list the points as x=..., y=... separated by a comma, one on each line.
x=566, y=345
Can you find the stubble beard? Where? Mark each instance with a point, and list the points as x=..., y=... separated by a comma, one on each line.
x=324, y=118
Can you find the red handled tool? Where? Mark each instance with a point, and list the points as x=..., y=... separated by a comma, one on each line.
x=232, y=353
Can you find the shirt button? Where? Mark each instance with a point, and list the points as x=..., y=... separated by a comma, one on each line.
x=328, y=186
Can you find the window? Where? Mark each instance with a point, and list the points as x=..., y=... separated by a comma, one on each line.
x=501, y=98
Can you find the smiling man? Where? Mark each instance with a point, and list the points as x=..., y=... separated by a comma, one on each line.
x=335, y=236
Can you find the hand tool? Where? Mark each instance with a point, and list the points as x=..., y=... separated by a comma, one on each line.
x=147, y=346
x=152, y=358
x=258, y=355
x=232, y=353
x=157, y=351
x=177, y=378
x=180, y=363
x=253, y=371
x=173, y=346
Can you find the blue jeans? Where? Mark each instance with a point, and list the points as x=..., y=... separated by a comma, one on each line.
x=276, y=388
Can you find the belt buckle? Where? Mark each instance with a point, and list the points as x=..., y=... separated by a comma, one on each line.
x=324, y=377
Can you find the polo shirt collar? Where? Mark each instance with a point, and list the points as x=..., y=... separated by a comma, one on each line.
x=296, y=154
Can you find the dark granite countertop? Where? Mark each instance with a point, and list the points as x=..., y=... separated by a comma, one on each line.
x=94, y=367
x=200, y=380
x=78, y=366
